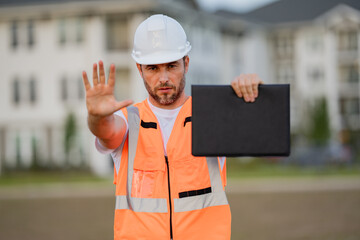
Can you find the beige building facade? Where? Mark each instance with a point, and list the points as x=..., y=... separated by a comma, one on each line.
x=46, y=45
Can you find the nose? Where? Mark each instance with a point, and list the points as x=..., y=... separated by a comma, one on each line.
x=164, y=76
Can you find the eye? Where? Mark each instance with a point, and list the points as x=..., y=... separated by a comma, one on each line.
x=172, y=66
x=151, y=68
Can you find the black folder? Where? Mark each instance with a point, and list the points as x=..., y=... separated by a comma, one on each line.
x=225, y=125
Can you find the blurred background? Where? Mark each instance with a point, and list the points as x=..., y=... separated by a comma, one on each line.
x=55, y=185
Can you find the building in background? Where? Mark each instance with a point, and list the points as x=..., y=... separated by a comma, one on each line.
x=314, y=46
x=45, y=45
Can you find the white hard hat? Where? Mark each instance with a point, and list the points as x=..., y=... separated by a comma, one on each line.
x=159, y=39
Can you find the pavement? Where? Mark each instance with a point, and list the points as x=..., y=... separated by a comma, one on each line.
x=317, y=208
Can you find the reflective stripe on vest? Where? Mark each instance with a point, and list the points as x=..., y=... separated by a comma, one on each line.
x=159, y=205
x=215, y=198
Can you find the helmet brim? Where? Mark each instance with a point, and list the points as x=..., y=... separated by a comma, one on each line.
x=160, y=57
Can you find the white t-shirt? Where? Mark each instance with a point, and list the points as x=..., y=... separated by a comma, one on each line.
x=166, y=119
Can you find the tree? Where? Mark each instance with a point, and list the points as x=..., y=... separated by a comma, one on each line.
x=70, y=135
x=319, y=129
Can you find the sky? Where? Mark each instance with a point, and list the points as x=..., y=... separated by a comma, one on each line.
x=234, y=5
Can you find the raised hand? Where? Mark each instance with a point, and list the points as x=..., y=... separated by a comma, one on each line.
x=100, y=99
x=246, y=86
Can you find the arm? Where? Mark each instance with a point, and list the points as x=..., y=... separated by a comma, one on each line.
x=246, y=85
x=101, y=105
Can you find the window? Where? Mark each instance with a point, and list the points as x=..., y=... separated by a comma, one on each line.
x=315, y=74
x=71, y=89
x=81, y=90
x=284, y=45
x=16, y=91
x=62, y=31
x=315, y=42
x=348, y=41
x=349, y=73
x=14, y=35
x=32, y=92
x=79, y=30
x=285, y=73
x=117, y=34
x=71, y=30
x=24, y=91
x=30, y=31
x=350, y=106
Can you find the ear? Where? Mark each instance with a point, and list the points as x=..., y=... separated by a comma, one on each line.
x=139, y=69
x=187, y=59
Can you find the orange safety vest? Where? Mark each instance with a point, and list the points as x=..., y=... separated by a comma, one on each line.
x=179, y=196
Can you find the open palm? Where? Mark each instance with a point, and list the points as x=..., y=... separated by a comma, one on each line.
x=100, y=99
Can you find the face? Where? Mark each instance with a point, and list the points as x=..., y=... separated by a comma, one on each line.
x=165, y=82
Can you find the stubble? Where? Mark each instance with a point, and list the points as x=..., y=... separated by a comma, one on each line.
x=166, y=99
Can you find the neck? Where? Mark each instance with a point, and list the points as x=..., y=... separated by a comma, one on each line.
x=178, y=102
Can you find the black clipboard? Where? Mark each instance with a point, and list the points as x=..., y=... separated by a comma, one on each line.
x=225, y=125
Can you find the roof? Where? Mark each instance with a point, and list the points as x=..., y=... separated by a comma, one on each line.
x=43, y=8
x=3, y=3
x=287, y=11
x=31, y=2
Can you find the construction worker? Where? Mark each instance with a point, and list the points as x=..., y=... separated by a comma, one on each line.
x=162, y=191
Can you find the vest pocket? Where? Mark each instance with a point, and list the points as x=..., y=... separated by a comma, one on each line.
x=192, y=174
x=148, y=173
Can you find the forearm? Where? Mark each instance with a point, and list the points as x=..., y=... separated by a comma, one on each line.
x=109, y=130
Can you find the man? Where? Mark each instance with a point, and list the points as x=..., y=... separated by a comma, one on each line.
x=162, y=191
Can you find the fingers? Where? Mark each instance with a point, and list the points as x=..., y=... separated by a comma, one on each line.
x=86, y=81
x=111, y=80
x=236, y=88
x=243, y=88
x=254, y=84
x=95, y=75
x=102, y=72
x=100, y=77
x=249, y=95
x=246, y=85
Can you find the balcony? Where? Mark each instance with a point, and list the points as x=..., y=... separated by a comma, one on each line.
x=348, y=56
x=351, y=122
x=349, y=89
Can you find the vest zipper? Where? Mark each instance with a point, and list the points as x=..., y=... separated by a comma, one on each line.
x=168, y=173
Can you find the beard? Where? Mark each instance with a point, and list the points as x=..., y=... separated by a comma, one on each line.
x=166, y=99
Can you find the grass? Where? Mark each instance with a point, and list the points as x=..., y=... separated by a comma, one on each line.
x=269, y=168
x=236, y=168
x=24, y=177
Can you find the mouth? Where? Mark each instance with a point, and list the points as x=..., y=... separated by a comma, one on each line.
x=165, y=89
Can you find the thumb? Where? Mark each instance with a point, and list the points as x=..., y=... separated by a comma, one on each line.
x=122, y=104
